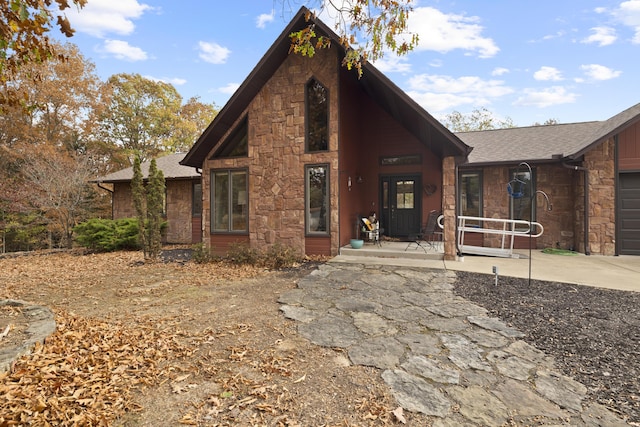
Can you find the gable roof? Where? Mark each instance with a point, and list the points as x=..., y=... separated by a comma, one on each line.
x=169, y=165
x=392, y=99
x=548, y=143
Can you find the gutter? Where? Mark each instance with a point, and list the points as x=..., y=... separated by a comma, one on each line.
x=99, y=184
x=587, y=249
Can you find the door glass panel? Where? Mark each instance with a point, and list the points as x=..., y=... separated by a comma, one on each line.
x=405, y=194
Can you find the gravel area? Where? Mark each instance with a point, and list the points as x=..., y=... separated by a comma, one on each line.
x=593, y=333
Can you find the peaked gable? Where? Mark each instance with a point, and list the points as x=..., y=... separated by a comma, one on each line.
x=397, y=103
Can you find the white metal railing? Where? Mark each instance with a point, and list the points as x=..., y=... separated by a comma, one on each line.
x=507, y=229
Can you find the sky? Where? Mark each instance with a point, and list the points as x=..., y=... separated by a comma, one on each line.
x=529, y=61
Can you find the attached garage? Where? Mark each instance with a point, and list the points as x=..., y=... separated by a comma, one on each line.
x=629, y=214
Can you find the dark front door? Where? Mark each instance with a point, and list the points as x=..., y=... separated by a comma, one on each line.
x=401, y=205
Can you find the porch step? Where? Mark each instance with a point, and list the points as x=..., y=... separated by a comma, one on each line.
x=392, y=250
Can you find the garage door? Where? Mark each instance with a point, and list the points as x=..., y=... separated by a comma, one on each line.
x=629, y=214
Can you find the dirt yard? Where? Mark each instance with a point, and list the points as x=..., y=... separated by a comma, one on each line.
x=177, y=343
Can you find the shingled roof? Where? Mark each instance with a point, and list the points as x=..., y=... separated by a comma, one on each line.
x=384, y=92
x=537, y=144
x=169, y=165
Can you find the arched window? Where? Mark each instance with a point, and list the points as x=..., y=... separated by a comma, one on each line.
x=317, y=116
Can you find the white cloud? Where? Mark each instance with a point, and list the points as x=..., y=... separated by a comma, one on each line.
x=603, y=36
x=176, y=81
x=443, y=33
x=599, y=72
x=500, y=71
x=229, y=89
x=213, y=53
x=123, y=50
x=393, y=63
x=101, y=17
x=629, y=14
x=548, y=74
x=438, y=92
x=554, y=95
x=264, y=19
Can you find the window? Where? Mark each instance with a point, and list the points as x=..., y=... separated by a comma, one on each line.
x=196, y=199
x=317, y=199
x=523, y=186
x=229, y=201
x=317, y=116
x=405, y=192
x=237, y=143
x=413, y=159
x=470, y=193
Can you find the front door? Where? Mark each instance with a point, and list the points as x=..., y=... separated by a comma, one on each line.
x=401, y=205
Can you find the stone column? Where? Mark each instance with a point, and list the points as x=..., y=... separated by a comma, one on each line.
x=449, y=207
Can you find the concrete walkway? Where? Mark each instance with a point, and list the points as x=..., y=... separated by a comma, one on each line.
x=440, y=354
x=612, y=272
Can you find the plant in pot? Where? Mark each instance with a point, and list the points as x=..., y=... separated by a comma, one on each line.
x=357, y=243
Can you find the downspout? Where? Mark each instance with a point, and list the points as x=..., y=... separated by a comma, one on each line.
x=587, y=249
x=99, y=184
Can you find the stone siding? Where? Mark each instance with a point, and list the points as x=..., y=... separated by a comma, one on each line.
x=277, y=157
x=179, y=211
x=449, y=207
x=122, y=201
x=178, y=215
x=602, y=199
x=559, y=223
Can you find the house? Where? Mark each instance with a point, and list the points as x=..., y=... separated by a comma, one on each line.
x=183, y=198
x=593, y=164
x=304, y=149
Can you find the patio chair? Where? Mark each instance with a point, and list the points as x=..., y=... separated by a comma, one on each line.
x=428, y=235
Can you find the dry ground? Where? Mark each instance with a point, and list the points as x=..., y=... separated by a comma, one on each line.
x=175, y=343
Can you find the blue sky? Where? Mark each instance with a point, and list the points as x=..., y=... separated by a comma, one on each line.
x=569, y=60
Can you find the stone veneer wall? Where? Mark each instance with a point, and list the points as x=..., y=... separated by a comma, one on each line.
x=179, y=211
x=449, y=207
x=559, y=223
x=600, y=161
x=122, y=201
x=179, y=193
x=277, y=158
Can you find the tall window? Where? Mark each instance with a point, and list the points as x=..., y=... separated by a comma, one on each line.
x=470, y=194
x=317, y=116
x=317, y=199
x=196, y=195
x=523, y=185
x=229, y=201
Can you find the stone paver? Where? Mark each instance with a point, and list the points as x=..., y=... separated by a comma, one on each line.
x=440, y=355
x=41, y=325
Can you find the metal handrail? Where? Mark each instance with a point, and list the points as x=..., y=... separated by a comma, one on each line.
x=508, y=232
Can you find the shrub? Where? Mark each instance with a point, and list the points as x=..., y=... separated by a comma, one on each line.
x=200, y=254
x=276, y=257
x=106, y=235
x=280, y=256
x=241, y=253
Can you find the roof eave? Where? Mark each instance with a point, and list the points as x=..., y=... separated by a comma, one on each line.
x=251, y=85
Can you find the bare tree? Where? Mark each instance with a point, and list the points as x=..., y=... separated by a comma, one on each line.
x=60, y=190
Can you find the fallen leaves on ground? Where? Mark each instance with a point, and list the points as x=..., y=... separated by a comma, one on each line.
x=86, y=371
